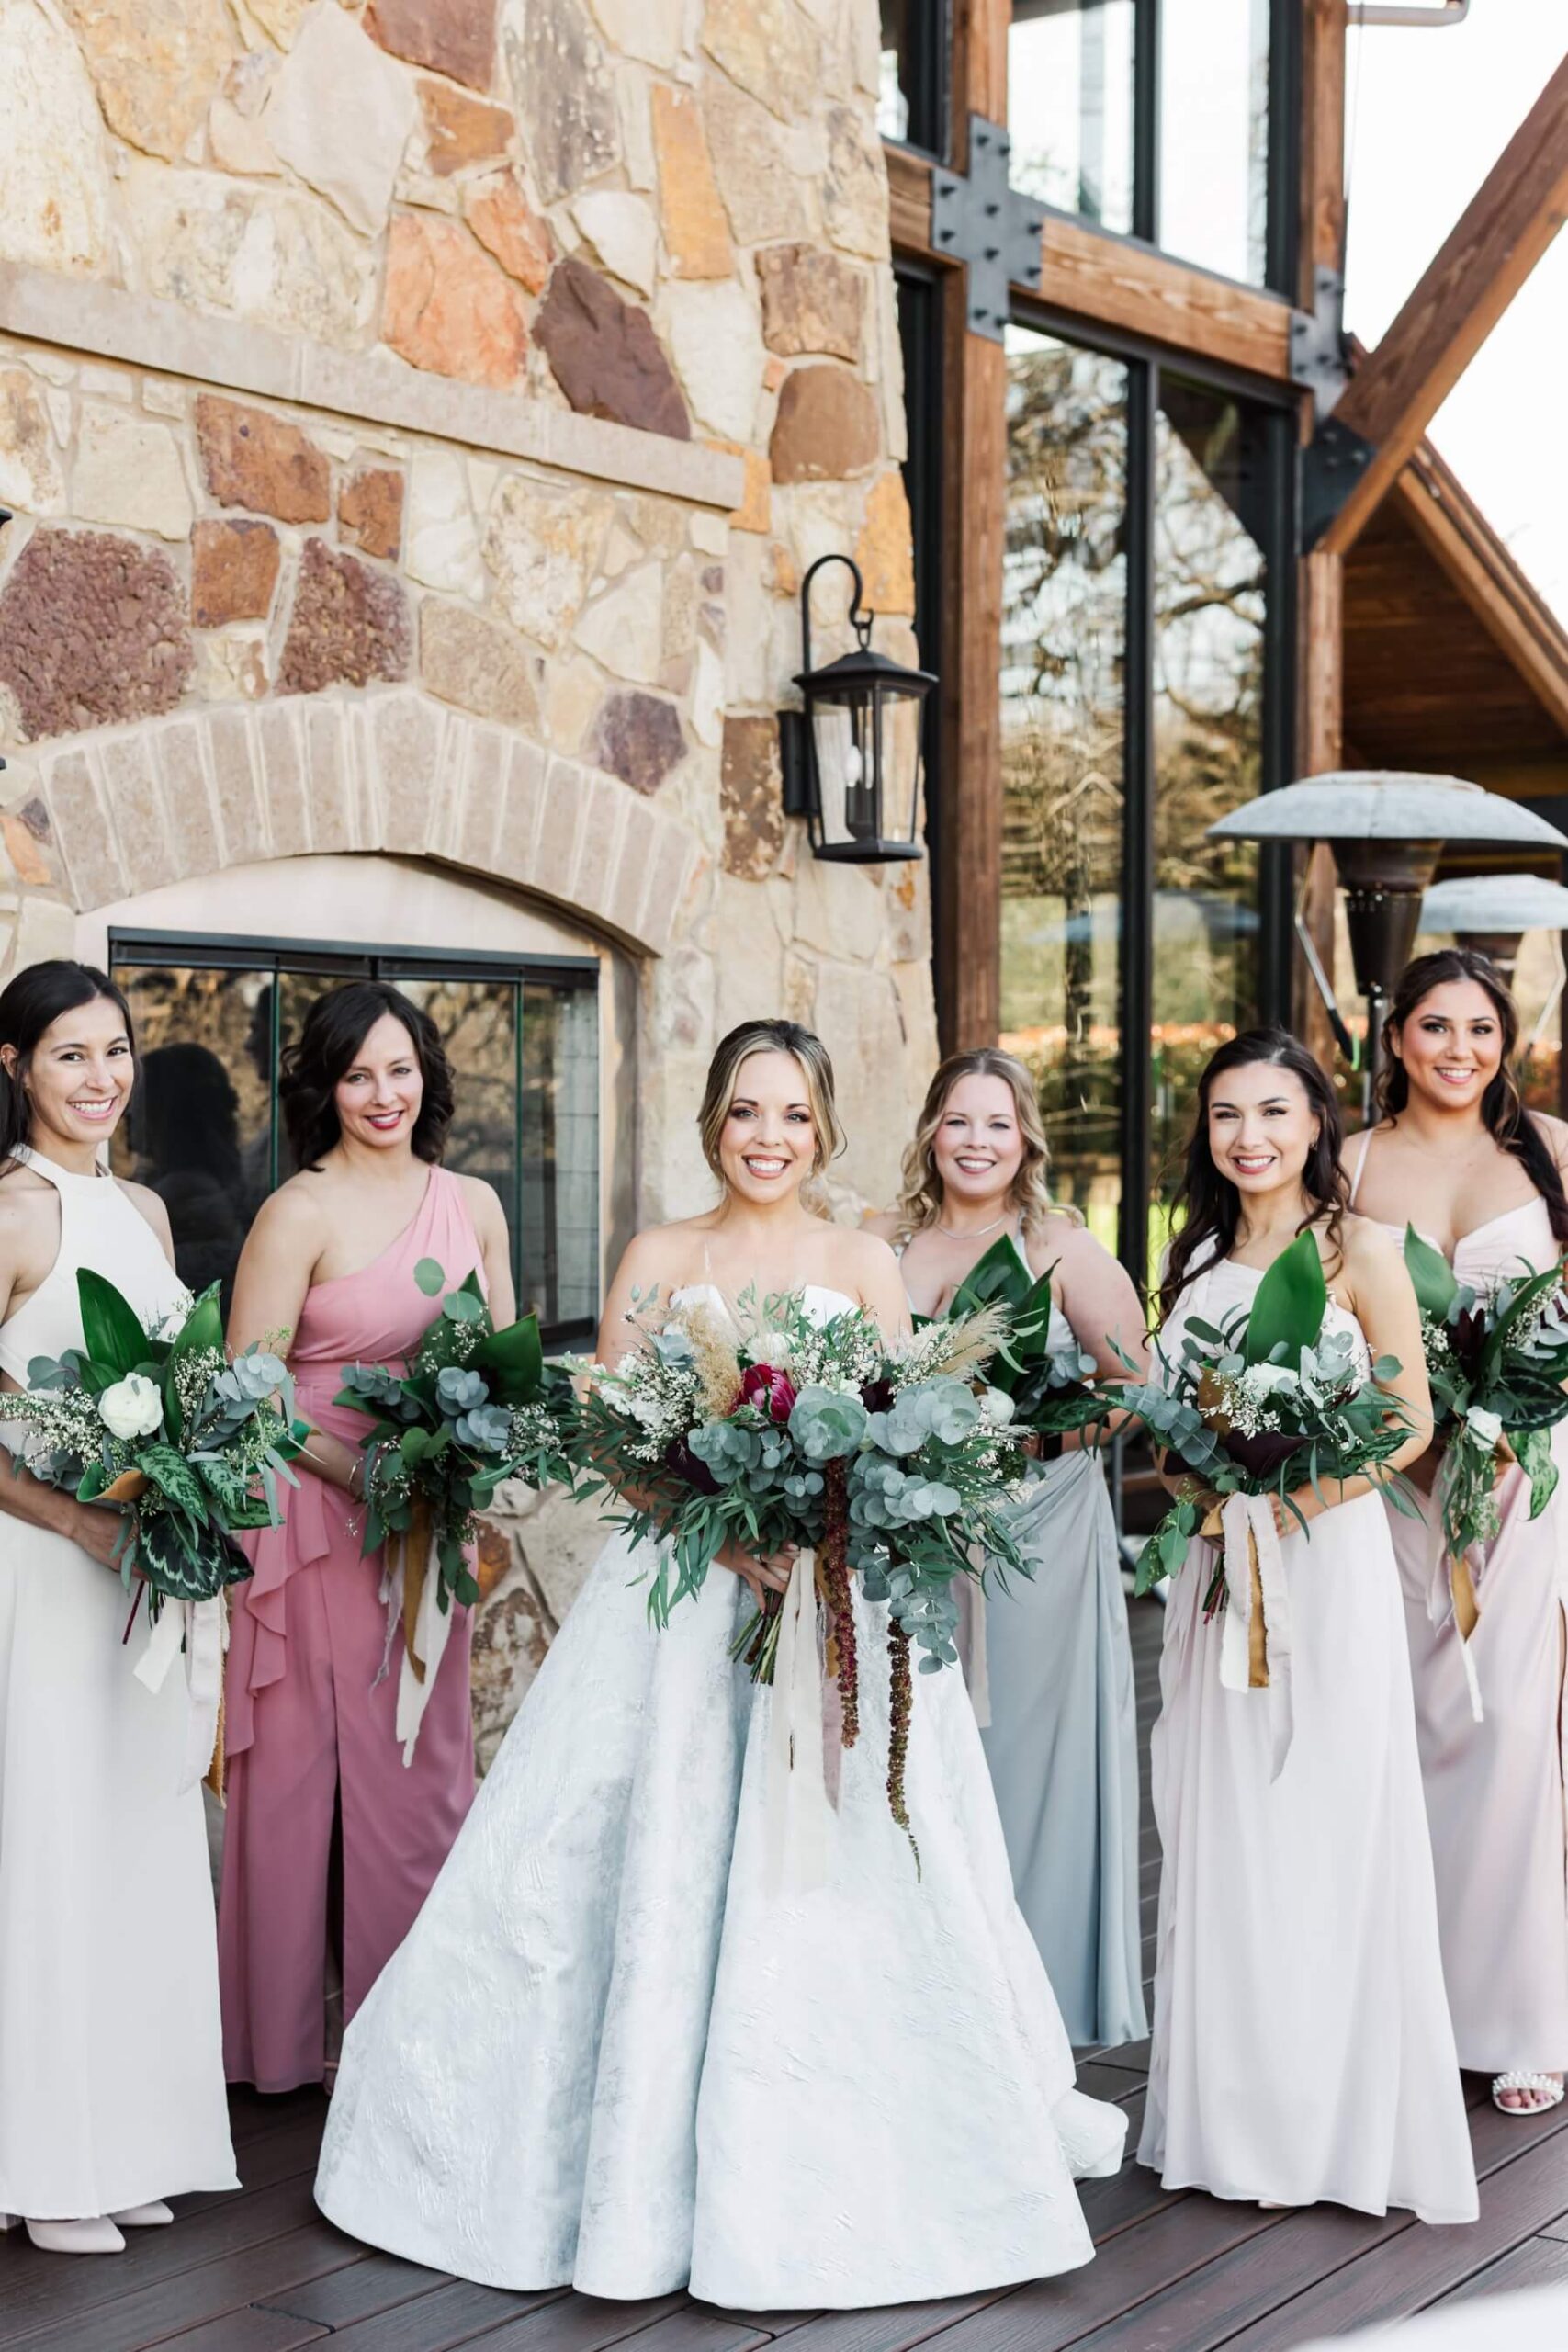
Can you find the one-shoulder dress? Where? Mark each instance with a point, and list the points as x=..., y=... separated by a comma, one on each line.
x=313, y=1750
x=614, y=2052
x=1496, y=1789
x=111, y=2070
x=1301, y=2045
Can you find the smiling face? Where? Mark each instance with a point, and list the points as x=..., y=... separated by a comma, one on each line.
x=1262, y=1128
x=767, y=1147
x=978, y=1146
x=1451, y=1045
x=79, y=1077
x=378, y=1098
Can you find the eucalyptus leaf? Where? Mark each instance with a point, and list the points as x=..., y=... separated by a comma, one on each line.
x=430, y=1277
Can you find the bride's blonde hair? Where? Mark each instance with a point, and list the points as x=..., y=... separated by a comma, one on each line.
x=770, y=1037
x=920, y=1203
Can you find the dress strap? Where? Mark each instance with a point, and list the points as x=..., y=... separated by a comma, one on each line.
x=1365, y=1143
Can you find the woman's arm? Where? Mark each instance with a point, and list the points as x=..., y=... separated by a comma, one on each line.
x=95, y=1528
x=1384, y=1303
x=1101, y=1304
x=872, y=1275
x=281, y=1253
x=495, y=1250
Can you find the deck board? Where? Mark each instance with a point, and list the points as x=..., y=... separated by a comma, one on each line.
x=1178, y=2271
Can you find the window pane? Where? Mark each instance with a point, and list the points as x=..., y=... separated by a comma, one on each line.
x=908, y=103
x=1070, y=105
x=560, y=1153
x=1064, y=648
x=199, y=1129
x=1212, y=459
x=1213, y=191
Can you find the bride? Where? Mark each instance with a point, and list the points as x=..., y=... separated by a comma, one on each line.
x=605, y=2054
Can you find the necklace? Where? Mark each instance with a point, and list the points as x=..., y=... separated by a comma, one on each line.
x=974, y=1231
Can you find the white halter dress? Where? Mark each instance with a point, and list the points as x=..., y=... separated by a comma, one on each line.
x=111, y=2068
x=608, y=2052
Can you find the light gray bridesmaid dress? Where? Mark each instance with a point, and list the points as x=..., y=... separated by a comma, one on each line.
x=1062, y=1743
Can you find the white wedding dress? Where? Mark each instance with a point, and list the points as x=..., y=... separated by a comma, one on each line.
x=111, y=2061
x=606, y=2054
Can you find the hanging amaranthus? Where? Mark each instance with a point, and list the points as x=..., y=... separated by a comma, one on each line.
x=833, y=1577
x=901, y=1699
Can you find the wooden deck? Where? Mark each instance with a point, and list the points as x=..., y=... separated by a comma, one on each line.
x=262, y=2272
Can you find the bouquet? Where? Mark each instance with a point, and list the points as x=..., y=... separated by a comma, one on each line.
x=1252, y=1409
x=161, y=1422
x=886, y=1459
x=1054, y=1390
x=471, y=1407
x=1496, y=1364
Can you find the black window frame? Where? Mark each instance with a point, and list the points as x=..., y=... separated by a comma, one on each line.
x=1145, y=361
x=929, y=130
x=346, y=959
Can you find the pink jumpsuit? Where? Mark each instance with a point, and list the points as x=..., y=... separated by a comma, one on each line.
x=309, y=1728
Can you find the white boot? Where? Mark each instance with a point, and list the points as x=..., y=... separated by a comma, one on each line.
x=144, y=2217
x=97, y=2235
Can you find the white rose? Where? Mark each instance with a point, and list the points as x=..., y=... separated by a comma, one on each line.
x=132, y=1408
x=1484, y=1428
x=1261, y=1380
x=997, y=1406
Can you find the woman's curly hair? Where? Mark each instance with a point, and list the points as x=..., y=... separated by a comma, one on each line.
x=328, y=1045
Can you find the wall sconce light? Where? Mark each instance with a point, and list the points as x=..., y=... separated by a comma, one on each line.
x=851, y=756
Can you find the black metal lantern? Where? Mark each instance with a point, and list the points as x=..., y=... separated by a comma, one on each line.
x=851, y=756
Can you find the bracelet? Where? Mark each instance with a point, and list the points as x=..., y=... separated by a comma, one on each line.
x=356, y=1480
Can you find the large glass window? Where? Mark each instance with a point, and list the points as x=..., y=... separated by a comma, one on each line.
x=205, y=1132
x=1070, y=105
x=1064, y=658
x=1211, y=498
x=1213, y=134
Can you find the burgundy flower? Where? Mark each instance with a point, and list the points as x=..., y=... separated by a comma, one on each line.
x=877, y=1395
x=1467, y=1336
x=679, y=1457
x=1260, y=1455
x=765, y=1385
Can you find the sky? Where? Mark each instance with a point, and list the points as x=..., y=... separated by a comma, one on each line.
x=1428, y=113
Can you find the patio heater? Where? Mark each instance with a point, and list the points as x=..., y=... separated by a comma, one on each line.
x=1387, y=831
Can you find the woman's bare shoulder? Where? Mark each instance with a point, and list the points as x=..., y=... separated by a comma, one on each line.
x=1367, y=1247
x=885, y=1223
x=297, y=1210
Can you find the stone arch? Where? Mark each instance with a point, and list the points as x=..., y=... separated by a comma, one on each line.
x=131, y=808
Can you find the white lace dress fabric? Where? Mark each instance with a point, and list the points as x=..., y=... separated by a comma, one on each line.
x=607, y=2056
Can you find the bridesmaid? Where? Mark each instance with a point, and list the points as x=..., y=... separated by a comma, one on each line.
x=1051, y=1665
x=1457, y=1154
x=317, y=1780
x=111, y=2078
x=1301, y=2044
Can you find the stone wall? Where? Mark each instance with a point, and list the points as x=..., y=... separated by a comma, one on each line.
x=522, y=355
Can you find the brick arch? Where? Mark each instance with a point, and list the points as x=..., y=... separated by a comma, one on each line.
x=170, y=800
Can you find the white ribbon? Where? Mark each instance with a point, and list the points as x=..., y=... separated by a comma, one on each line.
x=202, y=1626
x=432, y=1627
x=797, y=1811
x=1244, y=1517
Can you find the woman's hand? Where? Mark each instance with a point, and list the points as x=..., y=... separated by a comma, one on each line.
x=98, y=1530
x=762, y=1575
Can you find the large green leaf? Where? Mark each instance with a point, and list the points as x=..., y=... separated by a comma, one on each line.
x=110, y=1325
x=1432, y=1276
x=998, y=1279
x=203, y=1325
x=1288, y=1308
x=516, y=1355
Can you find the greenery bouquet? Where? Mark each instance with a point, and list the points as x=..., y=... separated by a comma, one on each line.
x=886, y=1459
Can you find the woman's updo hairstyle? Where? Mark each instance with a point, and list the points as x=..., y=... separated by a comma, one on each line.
x=30, y=1004
x=770, y=1037
x=1503, y=1111
x=326, y=1050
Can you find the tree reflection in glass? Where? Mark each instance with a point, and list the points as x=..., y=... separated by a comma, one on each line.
x=1064, y=647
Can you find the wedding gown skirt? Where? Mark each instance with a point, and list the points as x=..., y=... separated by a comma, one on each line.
x=607, y=2055
x=1301, y=2047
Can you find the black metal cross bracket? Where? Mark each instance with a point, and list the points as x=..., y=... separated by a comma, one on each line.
x=980, y=220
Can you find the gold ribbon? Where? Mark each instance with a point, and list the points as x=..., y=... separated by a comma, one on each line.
x=1255, y=1638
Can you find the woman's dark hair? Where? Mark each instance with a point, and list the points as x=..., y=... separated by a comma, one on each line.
x=29, y=1005
x=1207, y=1204
x=326, y=1050
x=1503, y=1112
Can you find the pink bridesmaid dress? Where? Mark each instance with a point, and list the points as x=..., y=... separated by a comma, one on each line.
x=1496, y=1789
x=310, y=1724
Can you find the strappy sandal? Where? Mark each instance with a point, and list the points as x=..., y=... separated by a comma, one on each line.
x=1547, y=2090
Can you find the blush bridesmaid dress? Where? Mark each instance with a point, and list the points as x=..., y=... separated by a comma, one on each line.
x=311, y=1697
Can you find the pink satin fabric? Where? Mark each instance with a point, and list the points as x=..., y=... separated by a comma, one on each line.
x=308, y=1729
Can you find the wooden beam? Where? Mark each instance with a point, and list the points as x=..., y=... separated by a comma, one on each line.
x=968, y=883
x=1322, y=215
x=1104, y=282
x=1448, y=524
x=1501, y=235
